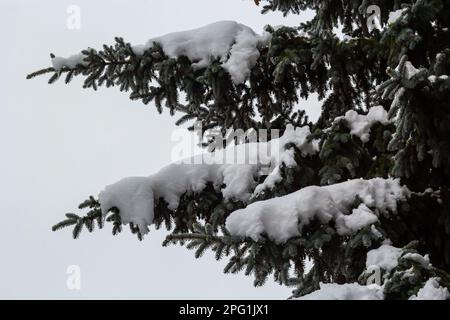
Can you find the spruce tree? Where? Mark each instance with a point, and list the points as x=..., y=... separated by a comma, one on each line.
x=369, y=180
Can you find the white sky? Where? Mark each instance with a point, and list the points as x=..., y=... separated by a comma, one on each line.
x=59, y=144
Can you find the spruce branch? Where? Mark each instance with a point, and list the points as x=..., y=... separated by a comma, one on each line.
x=40, y=72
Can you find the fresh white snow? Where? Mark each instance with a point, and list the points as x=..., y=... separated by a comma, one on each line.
x=280, y=218
x=360, y=125
x=284, y=217
x=234, y=44
x=69, y=62
x=349, y=291
x=134, y=197
x=395, y=15
x=354, y=291
x=236, y=167
x=432, y=291
x=360, y=218
x=385, y=257
x=423, y=260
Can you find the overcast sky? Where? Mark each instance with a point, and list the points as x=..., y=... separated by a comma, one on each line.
x=59, y=144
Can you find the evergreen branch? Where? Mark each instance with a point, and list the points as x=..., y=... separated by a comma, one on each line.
x=64, y=224
x=299, y=61
x=290, y=61
x=40, y=72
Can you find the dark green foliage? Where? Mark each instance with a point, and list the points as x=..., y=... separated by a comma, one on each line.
x=421, y=141
x=364, y=69
x=345, y=157
x=290, y=62
x=333, y=255
x=207, y=206
x=93, y=216
x=424, y=218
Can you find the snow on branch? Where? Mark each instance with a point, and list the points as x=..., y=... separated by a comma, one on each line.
x=348, y=291
x=234, y=171
x=360, y=125
x=405, y=272
x=432, y=290
x=284, y=217
x=233, y=44
x=385, y=257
